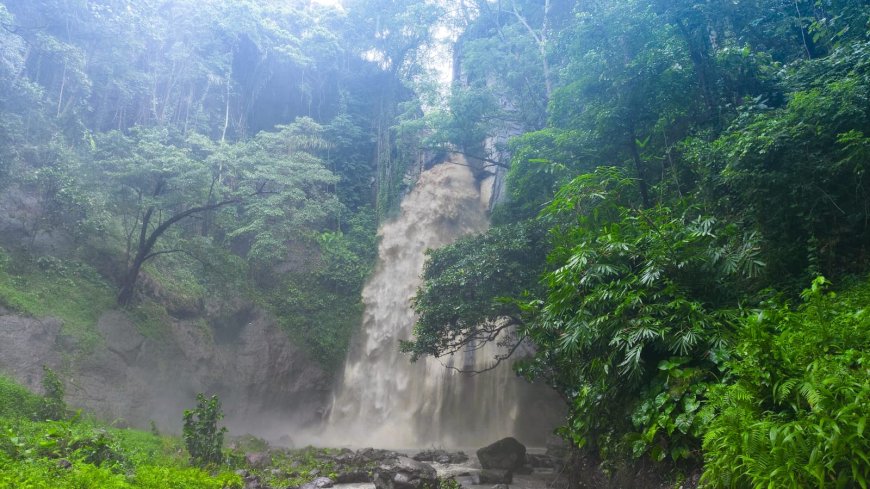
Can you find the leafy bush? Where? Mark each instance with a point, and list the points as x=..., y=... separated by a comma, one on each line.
x=80, y=454
x=203, y=439
x=16, y=401
x=53, y=406
x=638, y=309
x=793, y=412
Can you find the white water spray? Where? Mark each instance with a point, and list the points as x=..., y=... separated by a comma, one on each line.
x=385, y=400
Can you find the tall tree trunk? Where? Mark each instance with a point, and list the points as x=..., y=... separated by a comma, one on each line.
x=699, y=57
x=641, y=174
x=541, y=41
x=147, y=241
x=62, y=87
x=128, y=286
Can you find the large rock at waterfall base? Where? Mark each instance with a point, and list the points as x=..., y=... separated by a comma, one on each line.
x=505, y=454
x=405, y=473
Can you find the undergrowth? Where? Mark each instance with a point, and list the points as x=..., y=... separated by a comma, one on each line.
x=81, y=453
x=793, y=412
x=303, y=307
x=16, y=401
x=47, y=286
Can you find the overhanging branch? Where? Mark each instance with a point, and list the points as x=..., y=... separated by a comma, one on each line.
x=498, y=360
x=469, y=155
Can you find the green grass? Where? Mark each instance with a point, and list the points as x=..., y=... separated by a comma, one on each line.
x=71, y=291
x=85, y=454
x=82, y=453
x=151, y=320
x=45, y=473
x=177, y=277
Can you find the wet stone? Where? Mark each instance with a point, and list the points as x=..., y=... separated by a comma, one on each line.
x=441, y=457
x=495, y=476
x=353, y=477
x=405, y=473
x=258, y=460
x=505, y=454
x=319, y=483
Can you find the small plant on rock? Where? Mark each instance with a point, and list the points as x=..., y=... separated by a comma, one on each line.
x=202, y=437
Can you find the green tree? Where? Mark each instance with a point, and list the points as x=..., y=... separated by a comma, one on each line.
x=153, y=177
x=472, y=289
x=294, y=189
x=274, y=184
x=53, y=406
x=203, y=439
x=799, y=173
x=632, y=289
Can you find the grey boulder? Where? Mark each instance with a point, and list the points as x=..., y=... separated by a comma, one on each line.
x=405, y=473
x=505, y=454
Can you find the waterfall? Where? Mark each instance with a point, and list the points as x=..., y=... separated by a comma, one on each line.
x=384, y=400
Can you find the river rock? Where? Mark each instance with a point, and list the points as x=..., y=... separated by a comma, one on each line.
x=441, y=456
x=405, y=473
x=505, y=454
x=254, y=482
x=495, y=476
x=539, y=461
x=353, y=477
x=368, y=455
x=501, y=486
x=258, y=460
x=319, y=483
x=344, y=457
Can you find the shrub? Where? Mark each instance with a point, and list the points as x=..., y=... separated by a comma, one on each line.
x=16, y=401
x=53, y=406
x=794, y=411
x=202, y=437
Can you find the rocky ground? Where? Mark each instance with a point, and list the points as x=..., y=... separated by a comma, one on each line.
x=502, y=465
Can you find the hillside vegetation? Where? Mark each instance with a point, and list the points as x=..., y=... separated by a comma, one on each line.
x=168, y=152
x=681, y=246
x=685, y=240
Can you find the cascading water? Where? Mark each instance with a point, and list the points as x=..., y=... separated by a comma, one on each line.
x=387, y=401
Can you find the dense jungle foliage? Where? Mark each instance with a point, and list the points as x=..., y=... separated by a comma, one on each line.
x=683, y=241
x=176, y=151
x=685, y=237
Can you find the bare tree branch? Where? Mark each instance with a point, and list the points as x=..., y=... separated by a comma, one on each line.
x=463, y=153
x=498, y=360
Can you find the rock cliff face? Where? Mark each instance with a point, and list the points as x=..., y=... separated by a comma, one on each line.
x=266, y=384
x=230, y=348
